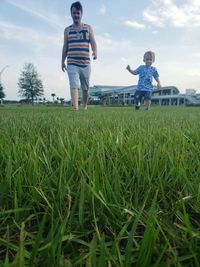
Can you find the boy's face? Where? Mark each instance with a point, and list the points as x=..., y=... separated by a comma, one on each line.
x=148, y=61
x=76, y=15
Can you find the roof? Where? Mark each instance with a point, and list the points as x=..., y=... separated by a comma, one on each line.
x=167, y=88
x=100, y=90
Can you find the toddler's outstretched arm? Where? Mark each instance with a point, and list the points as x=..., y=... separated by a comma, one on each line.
x=130, y=70
x=158, y=83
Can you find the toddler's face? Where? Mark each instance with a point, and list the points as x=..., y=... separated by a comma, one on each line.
x=148, y=61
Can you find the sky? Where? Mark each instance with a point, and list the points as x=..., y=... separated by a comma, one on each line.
x=32, y=31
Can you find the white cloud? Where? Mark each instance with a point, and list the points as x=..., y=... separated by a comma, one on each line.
x=191, y=39
x=106, y=34
x=123, y=59
x=134, y=24
x=155, y=32
x=39, y=12
x=111, y=45
x=103, y=10
x=10, y=31
x=104, y=41
x=194, y=73
x=195, y=2
x=164, y=13
x=196, y=55
x=153, y=18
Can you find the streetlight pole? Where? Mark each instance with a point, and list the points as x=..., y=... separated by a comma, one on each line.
x=3, y=71
x=0, y=77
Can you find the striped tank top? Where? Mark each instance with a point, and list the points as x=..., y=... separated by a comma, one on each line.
x=78, y=46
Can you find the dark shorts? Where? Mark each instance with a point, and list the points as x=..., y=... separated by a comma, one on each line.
x=143, y=94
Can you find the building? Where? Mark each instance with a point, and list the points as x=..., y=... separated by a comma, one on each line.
x=168, y=95
x=124, y=95
x=190, y=92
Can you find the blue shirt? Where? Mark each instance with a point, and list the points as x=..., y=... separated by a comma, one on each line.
x=145, y=77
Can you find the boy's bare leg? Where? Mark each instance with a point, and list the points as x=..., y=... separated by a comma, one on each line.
x=85, y=99
x=74, y=95
x=147, y=104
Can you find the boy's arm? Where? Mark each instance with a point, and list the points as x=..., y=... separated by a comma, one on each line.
x=93, y=43
x=158, y=82
x=130, y=70
x=156, y=77
x=64, y=50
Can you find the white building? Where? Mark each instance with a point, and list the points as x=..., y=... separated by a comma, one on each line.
x=124, y=95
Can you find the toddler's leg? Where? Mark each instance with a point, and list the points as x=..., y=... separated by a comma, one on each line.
x=137, y=99
x=147, y=104
x=147, y=98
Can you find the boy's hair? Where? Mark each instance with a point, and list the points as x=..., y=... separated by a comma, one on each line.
x=77, y=5
x=149, y=54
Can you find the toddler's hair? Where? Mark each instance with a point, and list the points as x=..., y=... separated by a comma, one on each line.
x=149, y=54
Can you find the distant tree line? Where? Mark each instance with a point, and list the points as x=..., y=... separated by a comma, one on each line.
x=30, y=86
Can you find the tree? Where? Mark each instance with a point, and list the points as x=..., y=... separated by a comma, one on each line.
x=53, y=95
x=62, y=100
x=30, y=84
x=2, y=95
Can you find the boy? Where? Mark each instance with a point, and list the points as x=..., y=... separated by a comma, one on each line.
x=145, y=86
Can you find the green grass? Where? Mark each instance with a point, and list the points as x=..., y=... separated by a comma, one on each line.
x=106, y=187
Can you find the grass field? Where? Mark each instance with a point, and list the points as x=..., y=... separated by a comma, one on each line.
x=107, y=187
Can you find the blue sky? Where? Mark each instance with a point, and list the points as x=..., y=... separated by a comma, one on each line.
x=32, y=31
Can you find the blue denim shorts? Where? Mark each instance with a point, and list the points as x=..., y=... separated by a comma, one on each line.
x=143, y=94
x=79, y=77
